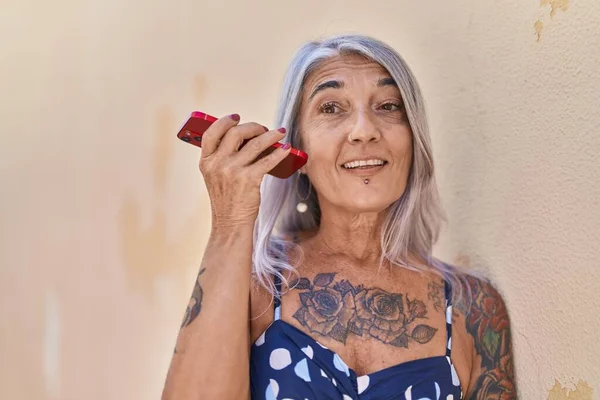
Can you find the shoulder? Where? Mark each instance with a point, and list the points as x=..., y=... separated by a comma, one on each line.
x=480, y=296
x=262, y=281
x=261, y=309
x=486, y=317
x=488, y=324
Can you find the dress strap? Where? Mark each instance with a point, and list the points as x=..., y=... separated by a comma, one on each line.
x=448, y=295
x=277, y=298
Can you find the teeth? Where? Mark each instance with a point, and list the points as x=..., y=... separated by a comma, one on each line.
x=363, y=163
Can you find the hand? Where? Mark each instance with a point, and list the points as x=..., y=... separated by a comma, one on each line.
x=233, y=175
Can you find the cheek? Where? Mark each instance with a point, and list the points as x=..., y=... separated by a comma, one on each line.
x=321, y=159
x=322, y=148
x=402, y=145
x=408, y=154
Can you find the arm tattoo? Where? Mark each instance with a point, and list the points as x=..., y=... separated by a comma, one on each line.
x=338, y=309
x=195, y=304
x=489, y=325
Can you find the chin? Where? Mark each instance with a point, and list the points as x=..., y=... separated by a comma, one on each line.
x=369, y=205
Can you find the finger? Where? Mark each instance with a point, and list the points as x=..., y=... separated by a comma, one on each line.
x=255, y=147
x=213, y=135
x=267, y=163
x=234, y=138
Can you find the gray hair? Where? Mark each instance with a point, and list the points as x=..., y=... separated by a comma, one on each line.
x=412, y=223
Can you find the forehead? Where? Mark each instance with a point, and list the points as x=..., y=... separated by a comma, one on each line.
x=346, y=68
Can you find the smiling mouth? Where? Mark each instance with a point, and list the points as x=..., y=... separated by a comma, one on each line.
x=364, y=164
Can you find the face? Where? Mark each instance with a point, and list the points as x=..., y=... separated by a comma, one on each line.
x=353, y=126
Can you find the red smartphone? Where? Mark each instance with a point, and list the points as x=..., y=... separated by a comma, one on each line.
x=198, y=123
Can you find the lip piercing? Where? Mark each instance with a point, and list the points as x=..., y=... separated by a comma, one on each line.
x=366, y=181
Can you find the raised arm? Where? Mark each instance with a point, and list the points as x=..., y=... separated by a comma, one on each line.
x=487, y=321
x=211, y=359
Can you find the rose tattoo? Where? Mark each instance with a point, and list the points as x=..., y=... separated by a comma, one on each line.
x=339, y=309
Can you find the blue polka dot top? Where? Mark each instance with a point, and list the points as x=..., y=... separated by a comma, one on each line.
x=286, y=364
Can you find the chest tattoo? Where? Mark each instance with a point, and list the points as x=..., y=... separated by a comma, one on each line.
x=337, y=309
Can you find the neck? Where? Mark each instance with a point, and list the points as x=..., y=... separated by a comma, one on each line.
x=355, y=234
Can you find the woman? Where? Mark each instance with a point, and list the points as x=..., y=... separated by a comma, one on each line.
x=344, y=300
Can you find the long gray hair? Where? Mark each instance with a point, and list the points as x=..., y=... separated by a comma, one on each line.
x=412, y=223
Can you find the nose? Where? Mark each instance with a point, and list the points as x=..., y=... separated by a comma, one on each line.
x=364, y=130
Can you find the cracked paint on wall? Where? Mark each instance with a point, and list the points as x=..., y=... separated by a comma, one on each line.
x=539, y=27
x=582, y=391
x=555, y=6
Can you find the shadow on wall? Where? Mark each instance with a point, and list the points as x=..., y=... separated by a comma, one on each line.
x=582, y=391
x=148, y=251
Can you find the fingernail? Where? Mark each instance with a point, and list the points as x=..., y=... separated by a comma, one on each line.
x=266, y=129
x=282, y=130
x=235, y=117
x=286, y=146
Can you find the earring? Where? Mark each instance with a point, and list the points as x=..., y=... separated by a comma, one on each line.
x=301, y=207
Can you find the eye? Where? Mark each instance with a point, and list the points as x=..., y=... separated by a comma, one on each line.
x=391, y=106
x=328, y=108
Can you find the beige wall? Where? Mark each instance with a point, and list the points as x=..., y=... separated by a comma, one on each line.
x=104, y=216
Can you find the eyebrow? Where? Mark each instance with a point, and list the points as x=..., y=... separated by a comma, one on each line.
x=340, y=85
x=326, y=85
x=387, y=82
